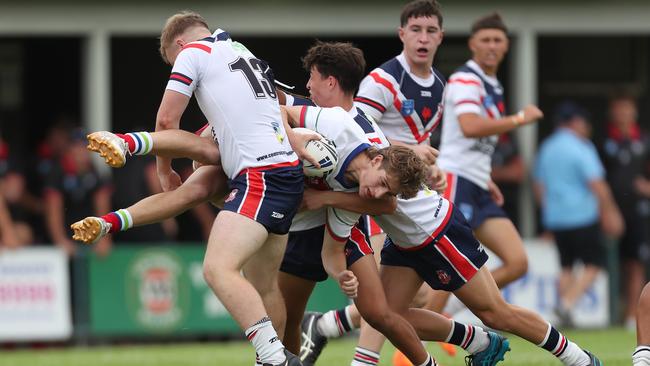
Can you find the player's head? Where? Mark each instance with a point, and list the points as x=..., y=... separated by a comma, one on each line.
x=489, y=42
x=623, y=110
x=334, y=67
x=421, y=31
x=572, y=116
x=181, y=28
x=394, y=171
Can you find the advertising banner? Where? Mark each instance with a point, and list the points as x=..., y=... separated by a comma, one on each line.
x=34, y=295
x=161, y=291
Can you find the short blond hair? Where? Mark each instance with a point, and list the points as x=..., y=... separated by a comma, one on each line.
x=404, y=164
x=176, y=25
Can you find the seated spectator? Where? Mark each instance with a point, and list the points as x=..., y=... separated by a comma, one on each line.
x=576, y=203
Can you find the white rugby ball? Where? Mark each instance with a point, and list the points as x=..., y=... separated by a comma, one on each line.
x=324, y=151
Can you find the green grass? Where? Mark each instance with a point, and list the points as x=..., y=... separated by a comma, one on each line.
x=613, y=346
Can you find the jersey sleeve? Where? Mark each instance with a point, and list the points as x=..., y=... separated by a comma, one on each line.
x=295, y=100
x=340, y=223
x=463, y=93
x=373, y=98
x=326, y=121
x=187, y=72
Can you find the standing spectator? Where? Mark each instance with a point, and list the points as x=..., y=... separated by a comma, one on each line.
x=74, y=189
x=626, y=158
x=14, y=231
x=571, y=186
x=508, y=172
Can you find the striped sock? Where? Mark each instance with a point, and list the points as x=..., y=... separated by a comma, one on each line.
x=429, y=362
x=140, y=143
x=364, y=357
x=641, y=356
x=568, y=352
x=470, y=338
x=268, y=346
x=120, y=220
x=335, y=323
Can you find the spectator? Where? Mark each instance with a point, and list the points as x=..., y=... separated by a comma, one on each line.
x=508, y=172
x=571, y=186
x=626, y=156
x=14, y=231
x=74, y=189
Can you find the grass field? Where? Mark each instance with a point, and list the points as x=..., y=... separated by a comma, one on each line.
x=613, y=346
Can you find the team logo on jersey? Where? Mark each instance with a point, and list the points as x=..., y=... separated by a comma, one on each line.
x=232, y=195
x=443, y=277
x=408, y=106
x=426, y=113
x=278, y=131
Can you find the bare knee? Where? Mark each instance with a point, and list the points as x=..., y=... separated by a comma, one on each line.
x=496, y=317
x=518, y=266
x=195, y=193
x=378, y=318
x=209, y=152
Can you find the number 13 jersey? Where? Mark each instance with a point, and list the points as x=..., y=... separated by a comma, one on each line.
x=237, y=96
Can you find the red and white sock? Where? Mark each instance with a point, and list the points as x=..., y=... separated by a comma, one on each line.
x=140, y=143
x=268, y=346
x=568, y=352
x=364, y=357
x=335, y=323
x=470, y=338
x=120, y=220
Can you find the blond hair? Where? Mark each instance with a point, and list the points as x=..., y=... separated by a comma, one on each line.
x=176, y=25
x=404, y=164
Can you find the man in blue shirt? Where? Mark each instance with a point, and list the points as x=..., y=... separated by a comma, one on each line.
x=576, y=202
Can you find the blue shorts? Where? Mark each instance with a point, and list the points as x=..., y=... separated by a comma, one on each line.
x=473, y=201
x=446, y=264
x=303, y=255
x=269, y=195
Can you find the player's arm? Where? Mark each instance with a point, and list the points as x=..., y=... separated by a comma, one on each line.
x=333, y=255
x=426, y=152
x=168, y=117
x=351, y=201
x=610, y=217
x=474, y=125
x=298, y=140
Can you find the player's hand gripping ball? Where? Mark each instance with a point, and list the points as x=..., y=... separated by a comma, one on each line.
x=323, y=151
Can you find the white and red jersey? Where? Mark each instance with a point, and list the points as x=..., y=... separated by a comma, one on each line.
x=417, y=221
x=406, y=107
x=353, y=133
x=238, y=98
x=469, y=90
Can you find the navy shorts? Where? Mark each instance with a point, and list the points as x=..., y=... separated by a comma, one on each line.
x=303, y=255
x=446, y=264
x=473, y=201
x=269, y=195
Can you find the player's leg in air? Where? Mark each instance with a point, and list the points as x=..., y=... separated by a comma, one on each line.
x=206, y=183
x=115, y=148
x=641, y=355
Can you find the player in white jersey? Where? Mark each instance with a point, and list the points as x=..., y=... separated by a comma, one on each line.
x=404, y=96
x=474, y=116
